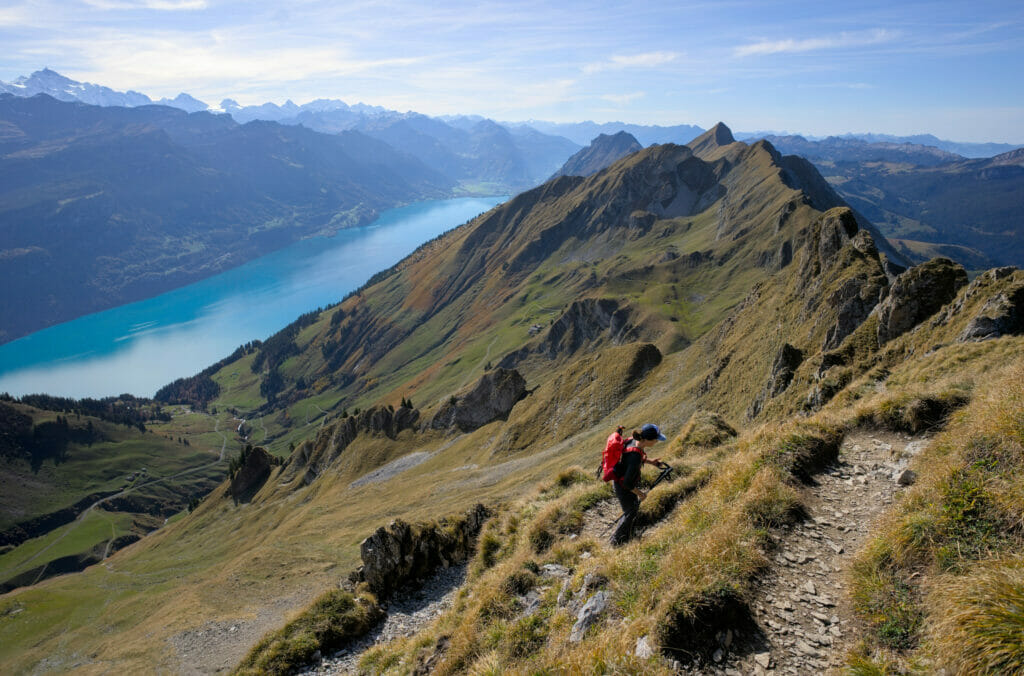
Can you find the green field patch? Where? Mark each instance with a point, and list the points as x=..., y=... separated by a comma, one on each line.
x=93, y=529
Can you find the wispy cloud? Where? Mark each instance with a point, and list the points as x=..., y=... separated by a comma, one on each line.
x=15, y=16
x=623, y=99
x=217, y=61
x=838, y=41
x=623, y=62
x=161, y=5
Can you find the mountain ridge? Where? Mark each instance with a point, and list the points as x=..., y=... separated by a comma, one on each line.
x=666, y=284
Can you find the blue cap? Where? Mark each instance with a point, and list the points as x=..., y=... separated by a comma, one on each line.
x=651, y=432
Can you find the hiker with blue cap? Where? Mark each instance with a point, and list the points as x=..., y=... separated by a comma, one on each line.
x=627, y=478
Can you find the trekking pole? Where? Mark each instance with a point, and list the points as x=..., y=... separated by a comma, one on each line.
x=614, y=525
x=666, y=471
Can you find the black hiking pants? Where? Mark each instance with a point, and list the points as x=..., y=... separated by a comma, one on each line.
x=630, y=507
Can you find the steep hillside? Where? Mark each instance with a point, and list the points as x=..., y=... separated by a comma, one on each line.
x=965, y=203
x=83, y=478
x=602, y=151
x=711, y=289
x=102, y=206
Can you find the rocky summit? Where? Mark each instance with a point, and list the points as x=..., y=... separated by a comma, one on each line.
x=844, y=437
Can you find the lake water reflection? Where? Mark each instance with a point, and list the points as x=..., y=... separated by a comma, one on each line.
x=140, y=347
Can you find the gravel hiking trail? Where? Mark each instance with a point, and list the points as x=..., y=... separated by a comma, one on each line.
x=409, y=611
x=801, y=621
x=801, y=618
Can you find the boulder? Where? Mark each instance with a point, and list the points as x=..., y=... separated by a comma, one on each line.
x=1002, y=314
x=916, y=295
x=589, y=614
x=906, y=477
x=492, y=398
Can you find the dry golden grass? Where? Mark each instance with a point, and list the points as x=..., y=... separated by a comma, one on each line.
x=944, y=559
x=708, y=539
x=977, y=624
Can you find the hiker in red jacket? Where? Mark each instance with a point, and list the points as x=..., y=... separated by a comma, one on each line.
x=627, y=478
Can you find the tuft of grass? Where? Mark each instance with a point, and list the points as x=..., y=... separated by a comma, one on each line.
x=977, y=622
x=913, y=413
x=804, y=448
x=704, y=429
x=334, y=619
x=888, y=605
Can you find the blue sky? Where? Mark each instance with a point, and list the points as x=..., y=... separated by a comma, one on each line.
x=949, y=68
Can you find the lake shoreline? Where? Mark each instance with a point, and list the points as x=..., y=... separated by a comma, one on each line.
x=138, y=347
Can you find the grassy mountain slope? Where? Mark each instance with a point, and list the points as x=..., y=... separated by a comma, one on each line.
x=78, y=486
x=717, y=261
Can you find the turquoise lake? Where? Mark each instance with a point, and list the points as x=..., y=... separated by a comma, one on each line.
x=140, y=347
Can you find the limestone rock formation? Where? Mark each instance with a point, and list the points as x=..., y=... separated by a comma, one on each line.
x=1002, y=314
x=400, y=553
x=311, y=458
x=585, y=321
x=491, y=399
x=917, y=294
x=785, y=365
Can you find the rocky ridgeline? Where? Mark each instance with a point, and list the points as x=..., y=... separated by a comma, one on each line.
x=252, y=474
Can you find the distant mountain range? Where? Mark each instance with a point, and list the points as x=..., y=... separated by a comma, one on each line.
x=583, y=132
x=481, y=155
x=329, y=115
x=962, y=149
x=62, y=88
x=101, y=206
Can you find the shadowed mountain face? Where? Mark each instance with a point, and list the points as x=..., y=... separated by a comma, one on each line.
x=965, y=203
x=928, y=201
x=102, y=206
x=602, y=151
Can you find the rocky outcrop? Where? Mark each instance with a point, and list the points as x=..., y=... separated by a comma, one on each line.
x=310, y=459
x=584, y=322
x=399, y=553
x=785, y=365
x=994, y=301
x=252, y=474
x=491, y=399
x=1002, y=314
x=916, y=295
x=855, y=296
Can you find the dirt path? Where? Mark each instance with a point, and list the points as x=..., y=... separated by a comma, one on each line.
x=408, y=612
x=802, y=621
